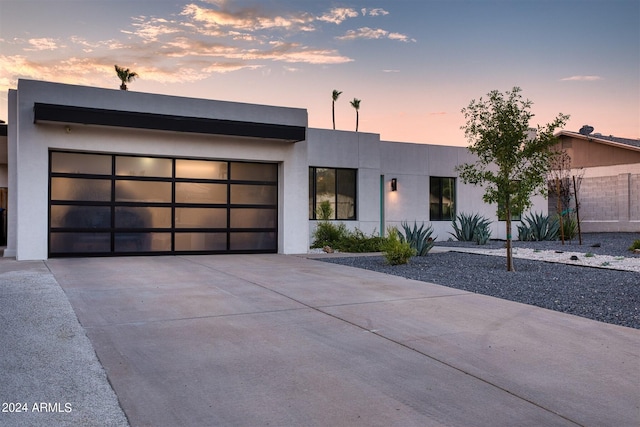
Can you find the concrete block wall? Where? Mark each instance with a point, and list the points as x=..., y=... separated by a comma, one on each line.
x=610, y=199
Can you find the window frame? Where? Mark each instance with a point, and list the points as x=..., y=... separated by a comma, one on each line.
x=313, y=192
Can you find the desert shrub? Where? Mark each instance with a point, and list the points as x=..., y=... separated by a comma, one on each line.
x=396, y=251
x=471, y=228
x=328, y=234
x=538, y=227
x=635, y=245
x=419, y=238
x=358, y=241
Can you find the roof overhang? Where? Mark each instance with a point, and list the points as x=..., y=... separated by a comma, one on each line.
x=3, y=129
x=165, y=122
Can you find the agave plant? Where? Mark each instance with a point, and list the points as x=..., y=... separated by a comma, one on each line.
x=419, y=238
x=471, y=228
x=538, y=227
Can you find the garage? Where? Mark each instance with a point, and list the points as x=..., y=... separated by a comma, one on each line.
x=110, y=204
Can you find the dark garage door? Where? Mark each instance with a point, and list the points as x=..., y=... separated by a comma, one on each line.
x=111, y=204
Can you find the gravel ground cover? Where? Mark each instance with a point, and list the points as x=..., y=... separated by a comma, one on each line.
x=600, y=294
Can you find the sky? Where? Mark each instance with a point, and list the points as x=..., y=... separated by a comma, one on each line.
x=414, y=64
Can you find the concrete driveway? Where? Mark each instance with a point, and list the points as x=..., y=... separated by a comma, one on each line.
x=287, y=341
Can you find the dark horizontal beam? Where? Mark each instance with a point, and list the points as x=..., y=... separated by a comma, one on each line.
x=166, y=122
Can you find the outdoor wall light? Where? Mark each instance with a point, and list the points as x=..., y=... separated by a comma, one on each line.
x=394, y=184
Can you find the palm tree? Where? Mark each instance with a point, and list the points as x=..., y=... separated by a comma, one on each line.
x=126, y=76
x=335, y=96
x=356, y=104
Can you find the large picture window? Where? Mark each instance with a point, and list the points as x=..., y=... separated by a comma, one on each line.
x=442, y=197
x=337, y=187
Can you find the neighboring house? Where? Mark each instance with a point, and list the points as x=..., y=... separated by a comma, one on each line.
x=107, y=172
x=609, y=192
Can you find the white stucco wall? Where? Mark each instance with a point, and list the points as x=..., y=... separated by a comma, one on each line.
x=411, y=164
x=30, y=227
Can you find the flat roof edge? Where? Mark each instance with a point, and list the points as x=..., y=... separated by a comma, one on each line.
x=153, y=121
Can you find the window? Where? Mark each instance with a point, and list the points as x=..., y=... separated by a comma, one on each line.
x=442, y=198
x=335, y=186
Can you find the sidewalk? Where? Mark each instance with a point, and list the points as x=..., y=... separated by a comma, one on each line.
x=50, y=373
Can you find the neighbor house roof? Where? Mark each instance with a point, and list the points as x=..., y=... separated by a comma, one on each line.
x=633, y=144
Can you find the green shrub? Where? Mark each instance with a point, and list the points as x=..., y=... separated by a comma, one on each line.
x=418, y=238
x=472, y=228
x=635, y=245
x=328, y=234
x=358, y=241
x=538, y=227
x=337, y=237
x=569, y=227
x=324, y=212
x=396, y=251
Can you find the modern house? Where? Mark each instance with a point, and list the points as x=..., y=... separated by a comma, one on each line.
x=106, y=172
x=609, y=168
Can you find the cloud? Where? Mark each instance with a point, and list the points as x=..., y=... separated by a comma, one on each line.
x=247, y=19
x=372, y=34
x=338, y=15
x=373, y=12
x=198, y=41
x=42, y=44
x=581, y=78
x=390, y=71
x=151, y=29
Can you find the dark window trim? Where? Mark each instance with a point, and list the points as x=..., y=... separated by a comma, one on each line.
x=314, y=193
x=455, y=196
x=167, y=122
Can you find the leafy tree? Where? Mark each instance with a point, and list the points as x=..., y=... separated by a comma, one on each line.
x=356, y=104
x=126, y=76
x=513, y=159
x=334, y=96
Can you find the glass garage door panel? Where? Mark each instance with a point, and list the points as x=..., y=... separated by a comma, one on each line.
x=201, y=242
x=77, y=163
x=80, y=216
x=142, y=217
x=201, y=218
x=142, y=242
x=253, y=218
x=81, y=189
x=196, y=192
x=144, y=166
x=201, y=169
x=254, y=194
x=254, y=171
x=143, y=191
x=257, y=241
x=80, y=242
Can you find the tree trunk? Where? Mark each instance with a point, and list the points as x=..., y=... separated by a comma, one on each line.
x=357, y=120
x=509, y=252
x=333, y=114
x=559, y=209
x=575, y=193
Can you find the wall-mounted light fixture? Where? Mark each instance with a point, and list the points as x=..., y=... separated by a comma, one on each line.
x=394, y=184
